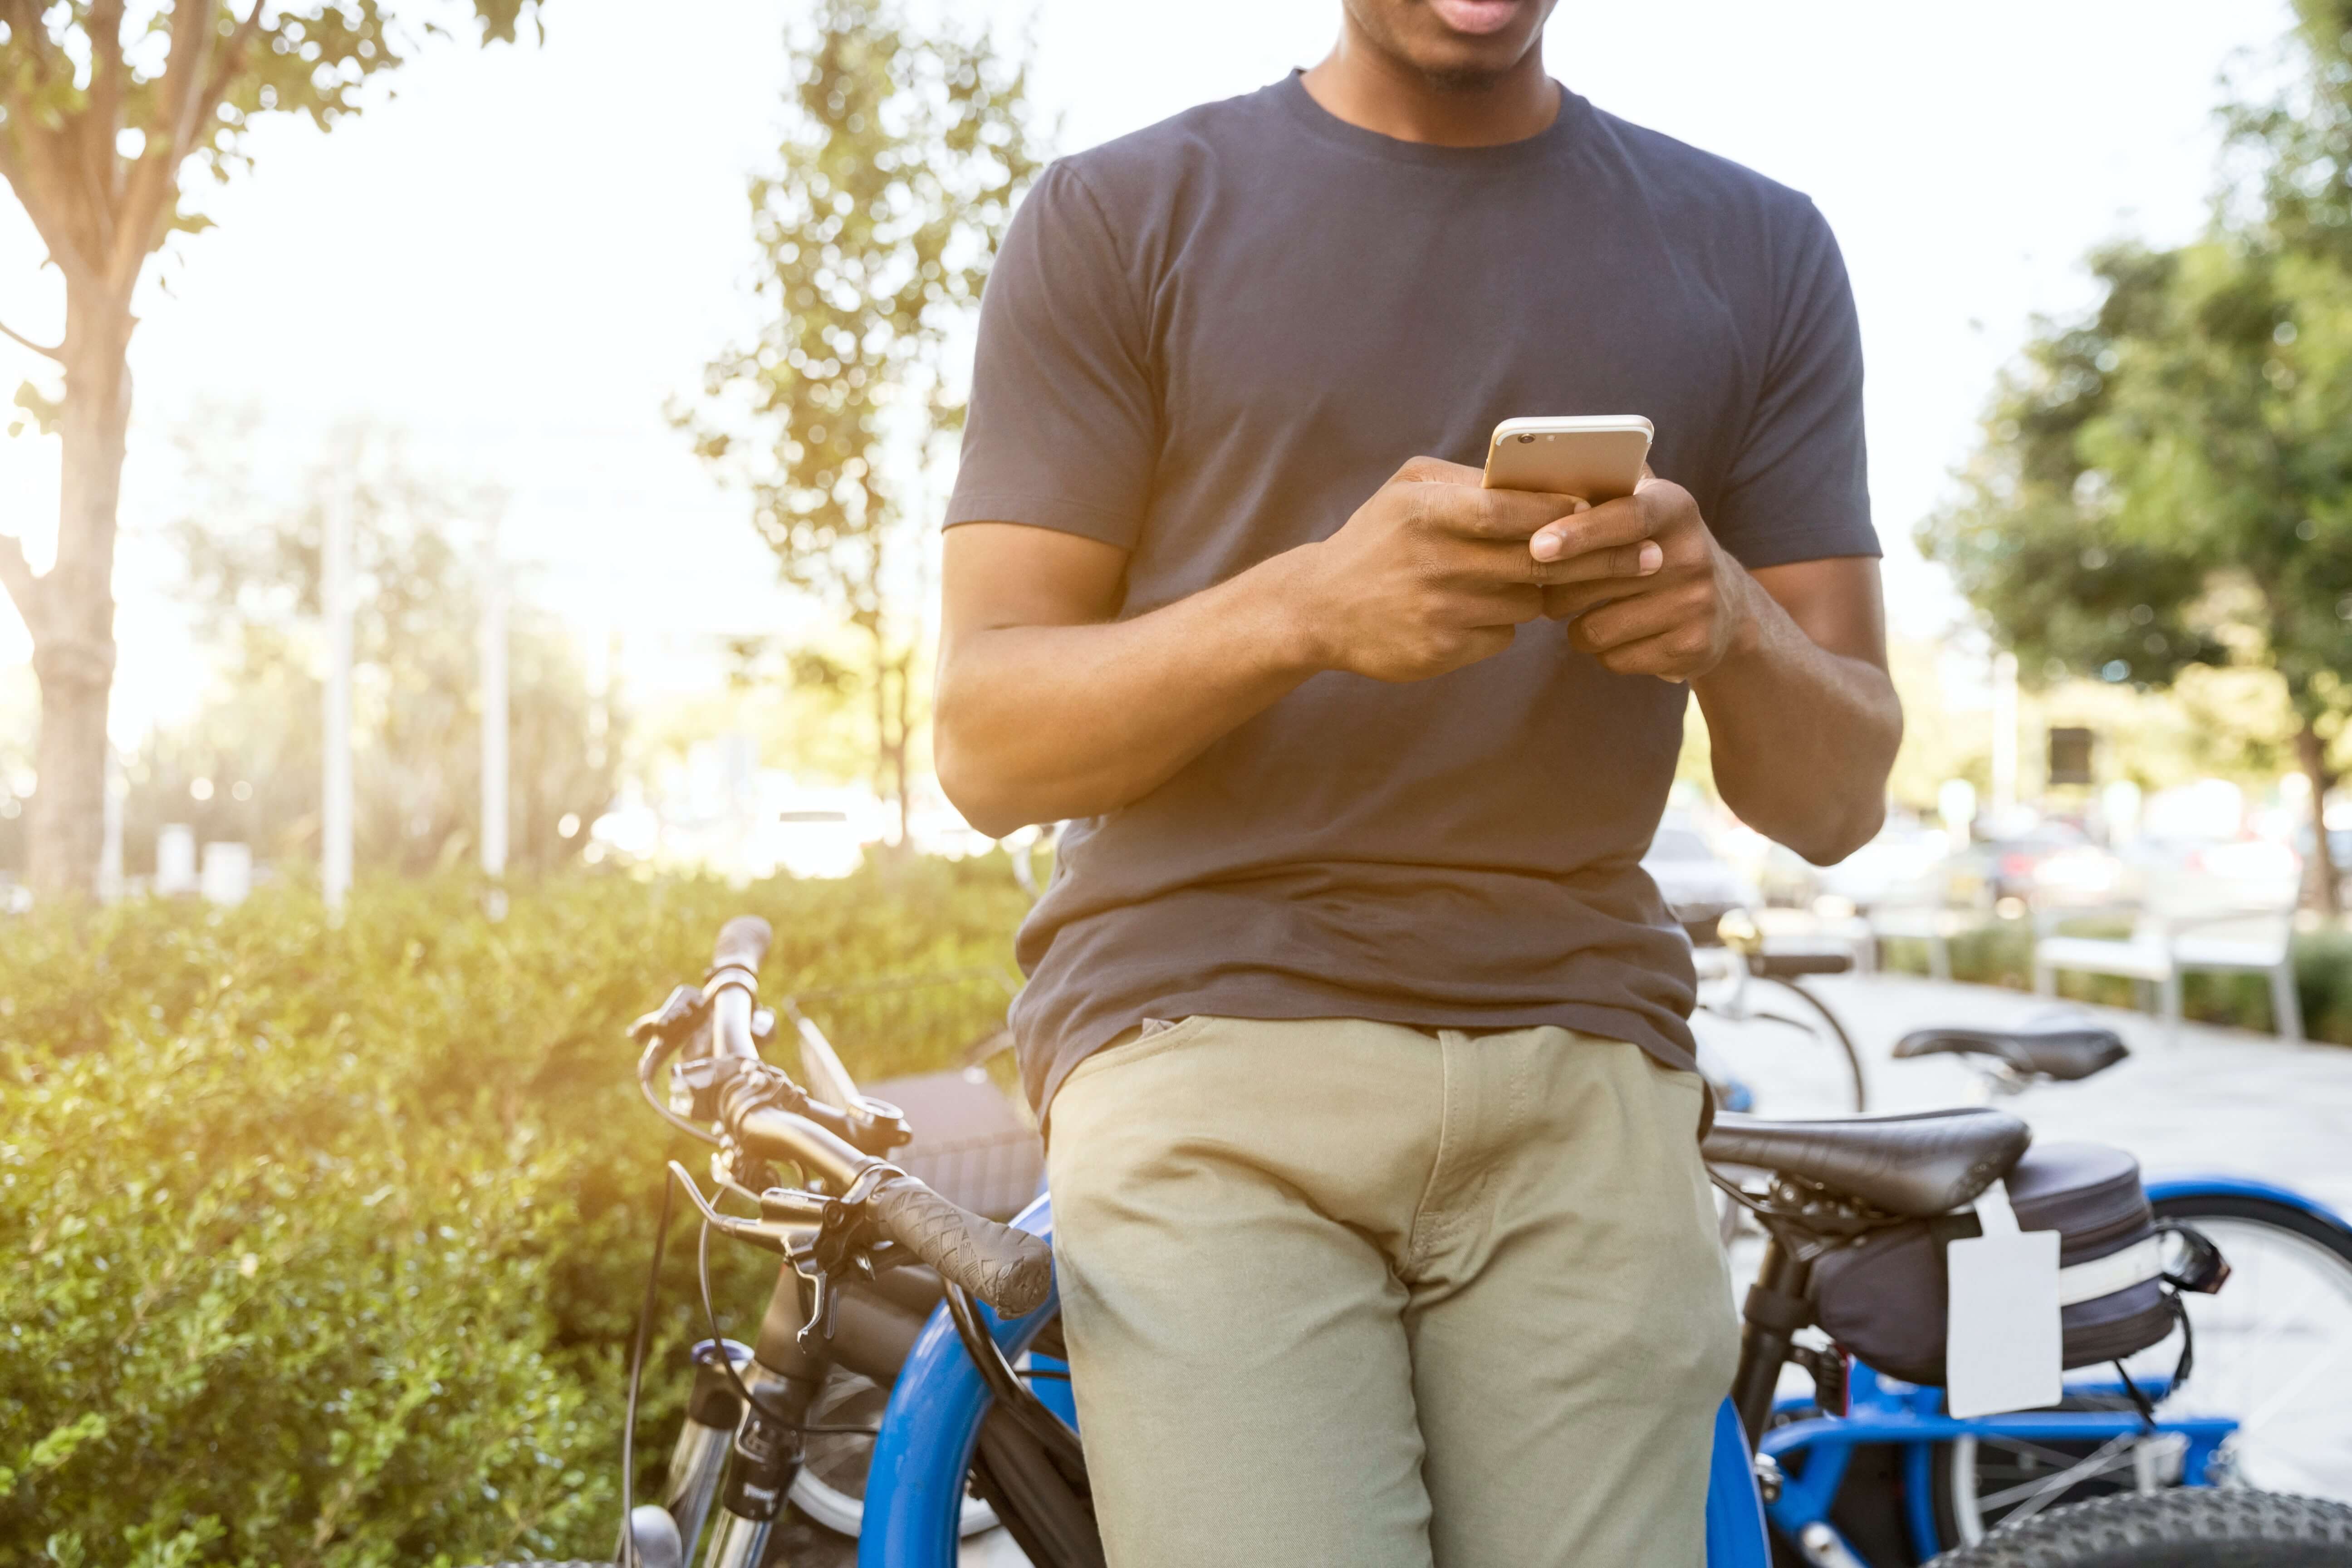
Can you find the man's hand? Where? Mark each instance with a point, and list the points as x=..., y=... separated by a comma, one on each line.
x=1679, y=620
x=1435, y=572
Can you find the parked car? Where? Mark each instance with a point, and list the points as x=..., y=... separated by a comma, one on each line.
x=1890, y=869
x=1699, y=886
x=2053, y=860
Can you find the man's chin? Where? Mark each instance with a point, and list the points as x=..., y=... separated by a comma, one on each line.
x=1474, y=42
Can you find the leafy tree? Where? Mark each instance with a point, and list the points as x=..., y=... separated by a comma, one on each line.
x=104, y=108
x=255, y=568
x=906, y=150
x=2168, y=482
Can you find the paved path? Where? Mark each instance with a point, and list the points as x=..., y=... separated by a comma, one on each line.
x=2222, y=1100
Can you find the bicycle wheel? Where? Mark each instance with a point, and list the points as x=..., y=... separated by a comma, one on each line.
x=2273, y=1353
x=2274, y=1346
x=831, y=1485
x=2194, y=1527
x=1785, y=1050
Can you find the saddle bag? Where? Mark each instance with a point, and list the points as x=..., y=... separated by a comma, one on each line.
x=1883, y=1295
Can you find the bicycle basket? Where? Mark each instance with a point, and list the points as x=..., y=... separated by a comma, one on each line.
x=1882, y=1296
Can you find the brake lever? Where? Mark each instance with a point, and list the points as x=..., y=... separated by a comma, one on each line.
x=679, y=1012
x=843, y=1244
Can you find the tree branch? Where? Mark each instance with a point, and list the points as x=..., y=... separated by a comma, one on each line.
x=24, y=588
x=157, y=177
x=55, y=351
x=30, y=157
x=102, y=117
x=225, y=71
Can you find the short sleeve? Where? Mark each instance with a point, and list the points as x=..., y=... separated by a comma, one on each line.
x=1799, y=486
x=1063, y=428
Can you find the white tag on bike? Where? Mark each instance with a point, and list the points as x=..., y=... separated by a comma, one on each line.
x=2003, y=1346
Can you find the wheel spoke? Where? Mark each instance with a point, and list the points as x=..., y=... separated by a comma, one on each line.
x=2035, y=1496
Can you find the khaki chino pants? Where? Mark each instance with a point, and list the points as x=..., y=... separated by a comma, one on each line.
x=1352, y=1293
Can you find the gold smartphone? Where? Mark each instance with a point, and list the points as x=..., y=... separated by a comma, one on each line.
x=1597, y=457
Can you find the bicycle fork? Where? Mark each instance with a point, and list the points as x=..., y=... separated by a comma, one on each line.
x=733, y=1464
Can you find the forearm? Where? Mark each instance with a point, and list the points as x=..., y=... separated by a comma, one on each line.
x=1036, y=723
x=1802, y=738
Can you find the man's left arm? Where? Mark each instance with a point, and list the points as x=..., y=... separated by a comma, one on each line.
x=1788, y=663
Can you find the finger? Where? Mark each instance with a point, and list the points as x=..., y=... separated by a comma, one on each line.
x=1626, y=620
x=1577, y=598
x=1576, y=595
x=1511, y=515
x=1669, y=656
x=1486, y=561
x=1611, y=524
x=1486, y=642
x=1494, y=603
x=1613, y=565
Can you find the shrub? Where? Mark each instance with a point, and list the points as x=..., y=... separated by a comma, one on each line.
x=324, y=1240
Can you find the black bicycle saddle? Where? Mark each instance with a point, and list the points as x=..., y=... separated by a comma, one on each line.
x=2075, y=1051
x=1916, y=1165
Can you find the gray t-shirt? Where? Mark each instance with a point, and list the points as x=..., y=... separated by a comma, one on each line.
x=1210, y=342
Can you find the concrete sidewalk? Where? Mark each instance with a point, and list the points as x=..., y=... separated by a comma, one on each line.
x=2222, y=1101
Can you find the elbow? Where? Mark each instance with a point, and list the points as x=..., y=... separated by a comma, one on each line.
x=1827, y=841
x=1843, y=821
x=975, y=787
x=986, y=818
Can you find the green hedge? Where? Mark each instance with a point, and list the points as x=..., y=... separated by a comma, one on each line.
x=2002, y=953
x=320, y=1244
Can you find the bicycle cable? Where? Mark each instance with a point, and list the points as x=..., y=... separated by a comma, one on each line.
x=710, y=1317
x=629, y=1557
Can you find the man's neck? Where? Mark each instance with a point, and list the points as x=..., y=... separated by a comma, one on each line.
x=1362, y=84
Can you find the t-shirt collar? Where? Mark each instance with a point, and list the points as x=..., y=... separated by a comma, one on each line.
x=1320, y=123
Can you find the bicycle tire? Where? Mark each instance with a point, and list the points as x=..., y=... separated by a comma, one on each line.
x=2248, y=1209
x=2256, y=1210
x=1837, y=1032
x=2193, y=1527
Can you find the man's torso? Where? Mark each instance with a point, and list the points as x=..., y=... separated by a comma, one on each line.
x=1293, y=307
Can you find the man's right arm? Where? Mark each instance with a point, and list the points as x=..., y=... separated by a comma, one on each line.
x=1049, y=708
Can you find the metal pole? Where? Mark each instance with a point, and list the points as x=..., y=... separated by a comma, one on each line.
x=2004, y=737
x=335, y=810
x=494, y=707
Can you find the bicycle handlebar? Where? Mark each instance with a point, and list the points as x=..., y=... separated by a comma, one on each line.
x=742, y=943
x=1010, y=1270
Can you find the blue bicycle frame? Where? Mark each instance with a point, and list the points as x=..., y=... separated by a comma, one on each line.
x=1881, y=1410
x=914, y=1486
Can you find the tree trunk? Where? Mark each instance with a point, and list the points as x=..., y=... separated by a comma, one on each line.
x=72, y=617
x=2311, y=749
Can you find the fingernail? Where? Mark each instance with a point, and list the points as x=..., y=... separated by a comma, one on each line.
x=1545, y=546
x=1651, y=559
x=1579, y=504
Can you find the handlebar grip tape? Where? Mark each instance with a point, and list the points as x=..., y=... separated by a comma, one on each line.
x=743, y=940
x=1010, y=1270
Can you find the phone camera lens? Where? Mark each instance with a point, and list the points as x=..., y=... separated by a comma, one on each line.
x=1524, y=438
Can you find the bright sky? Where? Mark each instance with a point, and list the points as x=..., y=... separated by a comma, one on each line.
x=523, y=256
